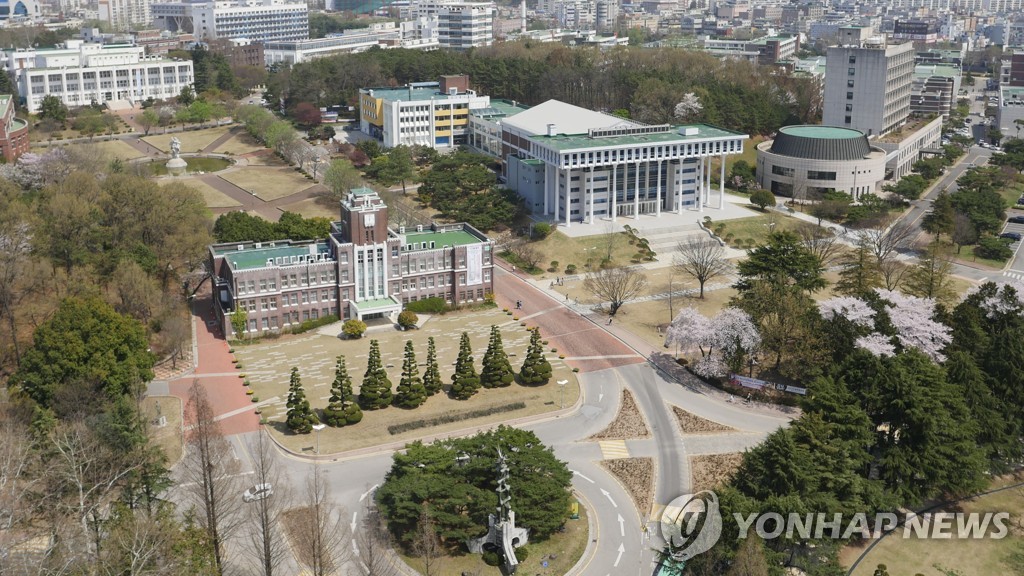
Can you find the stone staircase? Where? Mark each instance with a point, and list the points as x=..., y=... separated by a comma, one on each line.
x=665, y=241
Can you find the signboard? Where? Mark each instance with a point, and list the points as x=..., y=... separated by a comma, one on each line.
x=474, y=264
x=748, y=382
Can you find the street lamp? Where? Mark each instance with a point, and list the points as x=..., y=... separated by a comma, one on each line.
x=318, y=428
x=561, y=393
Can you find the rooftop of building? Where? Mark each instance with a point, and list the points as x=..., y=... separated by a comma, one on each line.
x=1012, y=92
x=500, y=109
x=944, y=70
x=440, y=238
x=816, y=142
x=566, y=142
x=5, y=101
x=410, y=93
x=567, y=118
x=816, y=131
x=257, y=254
x=913, y=125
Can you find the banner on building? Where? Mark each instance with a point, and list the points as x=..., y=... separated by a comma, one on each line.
x=474, y=264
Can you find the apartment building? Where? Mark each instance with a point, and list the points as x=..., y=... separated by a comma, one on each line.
x=124, y=14
x=256, y=20
x=363, y=270
x=934, y=89
x=457, y=25
x=13, y=131
x=357, y=40
x=80, y=73
x=434, y=114
x=868, y=83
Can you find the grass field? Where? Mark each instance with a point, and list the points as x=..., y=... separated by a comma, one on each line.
x=967, y=256
x=265, y=158
x=191, y=141
x=310, y=208
x=269, y=183
x=268, y=365
x=168, y=437
x=955, y=556
x=240, y=143
x=115, y=149
x=214, y=198
x=567, y=547
x=567, y=250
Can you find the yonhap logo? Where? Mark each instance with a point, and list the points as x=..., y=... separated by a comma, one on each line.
x=691, y=524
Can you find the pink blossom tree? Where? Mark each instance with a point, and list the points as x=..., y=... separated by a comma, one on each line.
x=911, y=317
x=722, y=340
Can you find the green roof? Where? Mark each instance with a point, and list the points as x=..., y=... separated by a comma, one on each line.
x=449, y=238
x=564, y=142
x=251, y=257
x=500, y=109
x=944, y=70
x=828, y=132
x=409, y=94
x=368, y=305
x=5, y=101
x=363, y=191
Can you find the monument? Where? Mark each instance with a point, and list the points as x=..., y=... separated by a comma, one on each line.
x=502, y=533
x=176, y=166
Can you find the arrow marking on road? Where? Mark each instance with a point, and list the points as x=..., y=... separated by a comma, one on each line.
x=354, y=547
x=609, y=497
x=582, y=476
x=622, y=526
x=353, y=526
x=622, y=548
x=367, y=493
x=600, y=395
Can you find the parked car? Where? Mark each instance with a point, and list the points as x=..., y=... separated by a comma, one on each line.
x=261, y=491
x=1015, y=236
x=1020, y=201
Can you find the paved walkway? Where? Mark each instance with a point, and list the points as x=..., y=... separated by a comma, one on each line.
x=212, y=146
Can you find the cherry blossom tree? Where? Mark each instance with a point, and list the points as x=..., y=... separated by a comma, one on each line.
x=723, y=340
x=688, y=108
x=910, y=316
x=853, y=309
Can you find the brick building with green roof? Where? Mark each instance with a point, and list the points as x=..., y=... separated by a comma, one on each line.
x=363, y=270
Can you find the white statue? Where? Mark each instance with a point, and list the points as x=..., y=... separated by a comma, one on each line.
x=175, y=147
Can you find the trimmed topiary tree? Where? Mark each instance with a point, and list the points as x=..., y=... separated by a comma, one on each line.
x=432, y=376
x=342, y=408
x=465, y=382
x=496, y=371
x=353, y=328
x=407, y=319
x=375, y=393
x=536, y=369
x=300, y=416
x=411, y=393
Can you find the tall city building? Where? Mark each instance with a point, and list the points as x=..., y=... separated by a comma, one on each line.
x=256, y=20
x=122, y=14
x=868, y=83
x=458, y=25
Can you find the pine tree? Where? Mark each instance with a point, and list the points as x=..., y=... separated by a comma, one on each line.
x=860, y=273
x=536, y=369
x=432, y=376
x=342, y=408
x=497, y=371
x=465, y=382
x=300, y=417
x=932, y=278
x=375, y=393
x=411, y=393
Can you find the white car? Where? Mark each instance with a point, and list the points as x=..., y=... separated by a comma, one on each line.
x=258, y=492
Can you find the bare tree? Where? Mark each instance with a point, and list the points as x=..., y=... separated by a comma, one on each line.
x=888, y=238
x=139, y=543
x=525, y=253
x=373, y=544
x=427, y=545
x=964, y=231
x=609, y=239
x=209, y=468
x=264, y=516
x=701, y=258
x=892, y=273
x=321, y=539
x=615, y=286
x=822, y=242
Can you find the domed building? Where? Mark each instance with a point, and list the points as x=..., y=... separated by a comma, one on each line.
x=803, y=161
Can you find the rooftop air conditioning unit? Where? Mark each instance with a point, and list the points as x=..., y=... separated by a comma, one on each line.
x=401, y=229
x=419, y=228
x=270, y=261
x=241, y=246
x=689, y=131
x=259, y=245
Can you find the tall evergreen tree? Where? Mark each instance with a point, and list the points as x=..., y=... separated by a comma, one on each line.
x=860, y=273
x=497, y=371
x=465, y=382
x=300, y=417
x=932, y=278
x=411, y=393
x=432, y=376
x=536, y=369
x=375, y=393
x=342, y=408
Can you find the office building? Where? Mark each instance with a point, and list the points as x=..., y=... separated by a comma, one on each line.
x=384, y=34
x=13, y=131
x=19, y=10
x=434, y=114
x=363, y=270
x=578, y=165
x=802, y=162
x=868, y=84
x=934, y=90
x=80, y=73
x=458, y=25
x=255, y=20
x=124, y=14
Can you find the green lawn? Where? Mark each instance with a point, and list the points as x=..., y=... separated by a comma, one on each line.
x=967, y=255
x=566, y=250
x=757, y=227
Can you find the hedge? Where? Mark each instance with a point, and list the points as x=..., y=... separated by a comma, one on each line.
x=453, y=417
x=428, y=306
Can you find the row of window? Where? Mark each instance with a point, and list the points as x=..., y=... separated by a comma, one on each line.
x=291, y=280
x=272, y=323
x=811, y=174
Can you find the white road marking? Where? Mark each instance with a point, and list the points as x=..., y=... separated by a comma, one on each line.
x=622, y=526
x=582, y=476
x=367, y=493
x=622, y=548
x=353, y=525
x=609, y=497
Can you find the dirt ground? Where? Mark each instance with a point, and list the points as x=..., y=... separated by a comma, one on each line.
x=637, y=475
x=629, y=423
x=693, y=424
x=710, y=470
x=168, y=437
x=269, y=183
x=191, y=141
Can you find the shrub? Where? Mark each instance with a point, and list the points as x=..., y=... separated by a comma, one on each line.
x=554, y=266
x=570, y=269
x=541, y=230
x=522, y=553
x=353, y=328
x=453, y=417
x=238, y=366
x=994, y=248
x=407, y=319
x=249, y=392
x=308, y=325
x=491, y=558
x=255, y=399
x=427, y=306
x=575, y=370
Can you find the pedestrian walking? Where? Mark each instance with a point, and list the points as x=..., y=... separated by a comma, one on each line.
x=513, y=268
x=609, y=321
x=566, y=297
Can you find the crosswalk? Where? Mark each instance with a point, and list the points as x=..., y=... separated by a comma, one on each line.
x=613, y=449
x=1014, y=275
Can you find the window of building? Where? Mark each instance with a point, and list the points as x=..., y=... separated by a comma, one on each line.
x=849, y=83
x=304, y=279
x=849, y=107
x=853, y=58
x=849, y=95
x=273, y=303
x=462, y=279
x=323, y=276
x=266, y=323
x=781, y=171
x=344, y=294
x=324, y=295
x=293, y=280
x=263, y=285
x=344, y=275
x=272, y=284
x=252, y=325
x=263, y=304
x=848, y=120
x=816, y=175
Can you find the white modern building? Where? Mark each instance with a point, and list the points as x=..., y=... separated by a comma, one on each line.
x=123, y=14
x=1010, y=114
x=357, y=40
x=434, y=114
x=256, y=20
x=80, y=73
x=578, y=165
x=868, y=83
x=802, y=162
x=458, y=25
